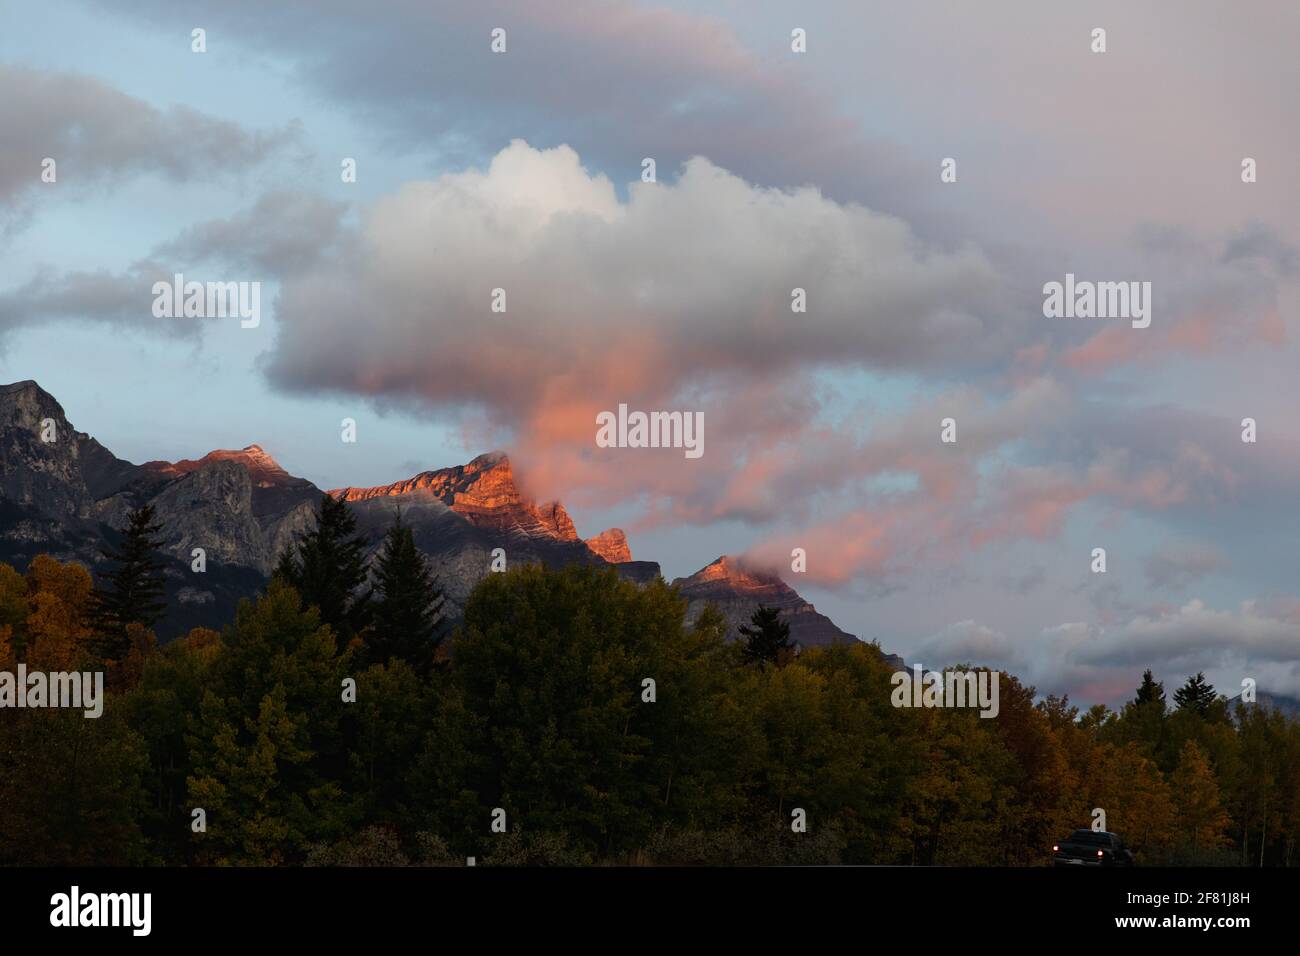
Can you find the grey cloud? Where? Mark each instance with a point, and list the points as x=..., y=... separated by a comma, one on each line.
x=120, y=299
x=969, y=642
x=1178, y=564
x=1196, y=636
x=575, y=72
x=1025, y=583
x=98, y=134
x=1103, y=663
x=1261, y=242
x=284, y=232
x=587, y=276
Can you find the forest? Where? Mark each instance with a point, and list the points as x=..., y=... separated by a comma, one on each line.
x=570, y=718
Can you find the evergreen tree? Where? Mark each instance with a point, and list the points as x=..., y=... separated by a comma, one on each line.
x=410, y=602
x=1197, y=694
x=327, y=568
x=1151, y=691
x=133, y=587
x=768, y=639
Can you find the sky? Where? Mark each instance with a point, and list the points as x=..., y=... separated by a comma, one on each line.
x=774, y=170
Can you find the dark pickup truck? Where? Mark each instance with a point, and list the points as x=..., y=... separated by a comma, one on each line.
x=1091, y=848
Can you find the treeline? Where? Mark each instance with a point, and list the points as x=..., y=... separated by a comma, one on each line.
x=583, y=715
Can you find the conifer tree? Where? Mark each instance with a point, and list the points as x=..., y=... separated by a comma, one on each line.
x=410, y=602
x=1150, y=691
x=327, y=568
x=1197, y=694
x=768, y=639
x=132, y=592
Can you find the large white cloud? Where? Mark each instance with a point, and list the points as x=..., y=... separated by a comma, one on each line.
x=676, y=296
x=681, y=278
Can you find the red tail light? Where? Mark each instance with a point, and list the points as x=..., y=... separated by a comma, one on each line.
x=1055, y=848
x=1100, y=853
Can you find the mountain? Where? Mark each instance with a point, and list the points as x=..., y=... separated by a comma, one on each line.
x=1289, y=706
x=611, y=545
x=63, y=493
x=738, y=590
x=460, y=515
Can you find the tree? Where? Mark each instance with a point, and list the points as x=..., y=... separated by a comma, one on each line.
x=266, y=746
x=1128, y=785
x=1150, y=691
x=410, y=603
x=327, y=568
x=768, y=639
x=133, y=588
x=580, y=704
x=70, y=789
x=1196, y=796
x=1197, y=695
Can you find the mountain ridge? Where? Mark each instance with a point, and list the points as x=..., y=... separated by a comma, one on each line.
x=739, y=587
x=243, y=508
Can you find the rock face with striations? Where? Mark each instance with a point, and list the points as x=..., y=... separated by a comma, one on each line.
x=611, y=545
x=262, y=507
x=460, y=515
x=738, y=591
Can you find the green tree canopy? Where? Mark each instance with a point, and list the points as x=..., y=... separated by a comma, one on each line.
x=326, y=566
x=1195, y=695
x=409, y=603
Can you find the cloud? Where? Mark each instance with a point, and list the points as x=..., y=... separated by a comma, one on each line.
x=97, y=134
x=575, y=72
x=122, y=300
x=1211, y=295
x=1021, y=467
x=678, y=297
x=1104, y=663
x=1178, y=564
x=1025, y=583
x=283, y=232
x=967, y=642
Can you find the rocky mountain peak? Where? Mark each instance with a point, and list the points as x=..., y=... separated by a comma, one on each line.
x=738, y=588
x=484, y=491
x=26, y=386
x=261, y=467
x=24, y=404
x=611, y=545
x=490, y=461
x=735, y=573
